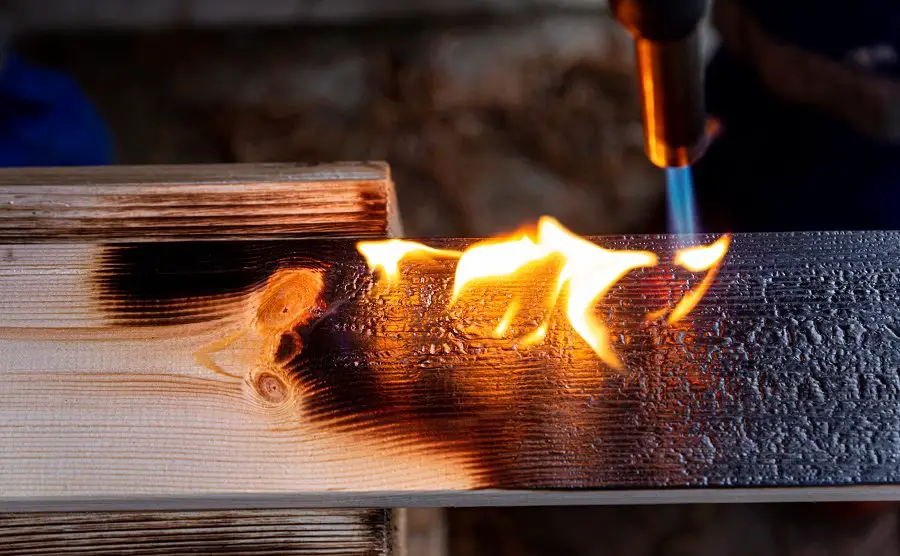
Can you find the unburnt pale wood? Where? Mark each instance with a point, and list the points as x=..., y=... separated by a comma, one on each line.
x=153, y=203
x=238, y=374
x=137, y=204
x=251, y=532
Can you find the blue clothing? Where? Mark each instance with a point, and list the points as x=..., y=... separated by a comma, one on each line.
x=784, y=166
x=46, y=120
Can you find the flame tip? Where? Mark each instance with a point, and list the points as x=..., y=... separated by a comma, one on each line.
x=587, y=273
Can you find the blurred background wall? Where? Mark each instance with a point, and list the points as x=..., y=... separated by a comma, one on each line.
x=55, y=14
x=491, y=112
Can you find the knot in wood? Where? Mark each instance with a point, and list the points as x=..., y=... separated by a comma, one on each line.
x=271, y=387
x=290, y=297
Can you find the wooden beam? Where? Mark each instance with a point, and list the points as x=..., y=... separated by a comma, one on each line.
x=154, y=203
x=257, y=532
x=259, y=373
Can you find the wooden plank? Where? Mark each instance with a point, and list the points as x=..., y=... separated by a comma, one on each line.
x=209, y=374
x=256, y=532
x=181, y=202
x=153, y=203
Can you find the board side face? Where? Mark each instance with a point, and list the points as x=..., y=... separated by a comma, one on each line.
x=156, y=174
x=785, y=374
x=156, y=203
x=302, y=532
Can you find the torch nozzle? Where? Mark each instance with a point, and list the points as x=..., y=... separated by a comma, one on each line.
x=671, y=85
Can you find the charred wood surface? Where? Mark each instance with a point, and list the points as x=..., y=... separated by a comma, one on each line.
x=283, y=372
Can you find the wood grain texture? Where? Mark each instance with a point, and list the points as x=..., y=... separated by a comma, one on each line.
x=180, y=202
x=260, y=373
x=152, y=203
x=250, y=532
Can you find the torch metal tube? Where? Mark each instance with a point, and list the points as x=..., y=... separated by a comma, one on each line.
x=671, y=86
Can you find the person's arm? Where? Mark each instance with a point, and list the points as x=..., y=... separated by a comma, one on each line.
x=868, y=102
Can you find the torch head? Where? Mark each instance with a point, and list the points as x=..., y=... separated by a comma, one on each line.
x=670, y=73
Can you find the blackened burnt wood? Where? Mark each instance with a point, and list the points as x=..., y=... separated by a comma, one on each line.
x=153, y=203
x=282, y=373
x=251, y=532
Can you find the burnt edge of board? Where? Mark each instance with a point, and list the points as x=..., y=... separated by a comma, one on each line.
x=160, y=203
x=260, y=531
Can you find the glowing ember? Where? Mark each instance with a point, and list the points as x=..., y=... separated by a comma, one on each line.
x=587, y=273
x=386, y=255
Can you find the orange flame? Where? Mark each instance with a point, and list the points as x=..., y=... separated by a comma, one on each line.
x=698, y=259
x=387, y=255
x=588, y=272
x=495, y=259
x=507, y=319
